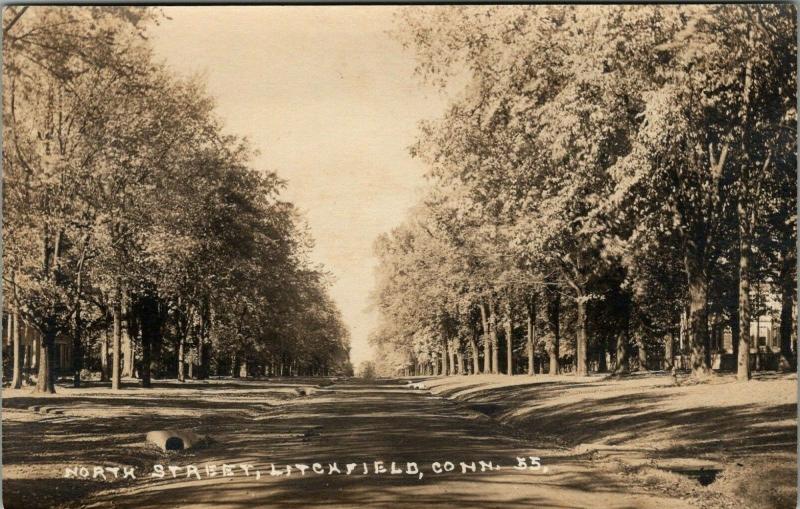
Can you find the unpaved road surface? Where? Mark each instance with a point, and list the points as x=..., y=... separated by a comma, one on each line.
x=361, y=422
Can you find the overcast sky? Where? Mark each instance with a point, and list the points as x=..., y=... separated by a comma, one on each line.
x=331, y=102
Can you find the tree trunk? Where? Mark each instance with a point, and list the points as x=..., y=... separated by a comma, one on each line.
x=77, y=333
x=445, y=358
x=622, y=353
x=45, y=382
x=487, y=354
x=126, y=351
x=746, y=202
x=554, y=319
x=202, y=344
x=623, y=338
x=127, y=340
x=181, y=359
x=757, y=347
x=531, y=334
x=509, y=340
x=698, y=315
x=581, y=365
x=116, y=346
x=642, y=353
x=26, y=364
x=16, y=380
x=734, y=323
x=198, y=361
x=788, y=360
x=77, y=346
x=473, y=346
x=493, y=335
x=104, y=375
x=35, y=354
x=669, y=350
x=743, y=357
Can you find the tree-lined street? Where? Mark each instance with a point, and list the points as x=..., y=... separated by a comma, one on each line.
x=400, y=256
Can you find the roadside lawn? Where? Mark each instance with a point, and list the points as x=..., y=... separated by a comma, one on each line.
x=720, y=439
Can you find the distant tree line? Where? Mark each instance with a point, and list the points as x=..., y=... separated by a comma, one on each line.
x=606, y=181
x=135, y=226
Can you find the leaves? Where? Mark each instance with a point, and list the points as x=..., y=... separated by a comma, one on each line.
x=594, y=148
x=102, y=143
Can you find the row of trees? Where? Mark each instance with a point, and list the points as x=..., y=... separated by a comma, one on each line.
x=601, y=175
x=134, y=225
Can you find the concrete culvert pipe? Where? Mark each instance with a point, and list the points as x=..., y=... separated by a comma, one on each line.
x=169, y=440
x=174, y=444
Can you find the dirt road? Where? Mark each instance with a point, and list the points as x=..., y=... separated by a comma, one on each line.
x=358, y=423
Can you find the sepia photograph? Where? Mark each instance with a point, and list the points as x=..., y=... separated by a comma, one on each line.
x=399, y=256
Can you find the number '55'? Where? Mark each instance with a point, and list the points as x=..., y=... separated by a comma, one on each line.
x=531, y=463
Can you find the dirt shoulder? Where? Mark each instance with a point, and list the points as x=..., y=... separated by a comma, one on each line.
x=738, y=439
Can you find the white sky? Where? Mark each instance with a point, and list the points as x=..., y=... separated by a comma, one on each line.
x=330, y=101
